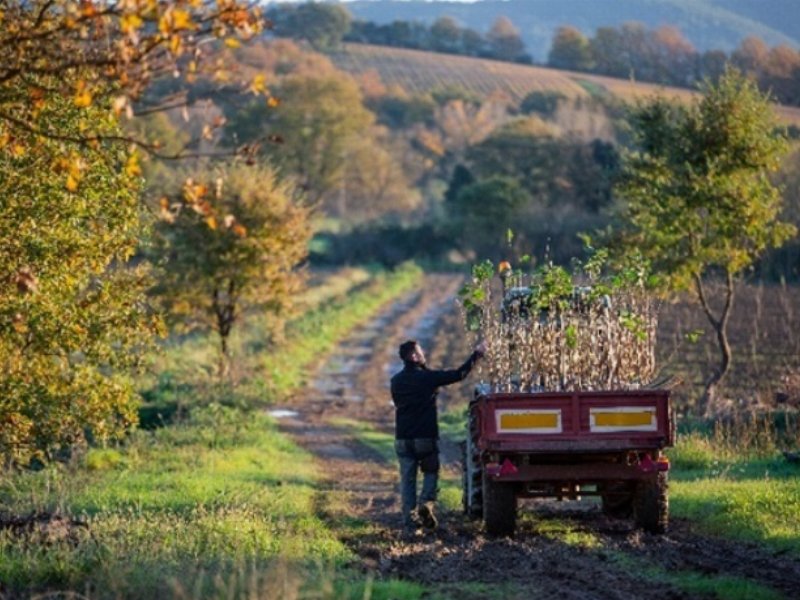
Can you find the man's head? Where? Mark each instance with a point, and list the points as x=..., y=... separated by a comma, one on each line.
x=411, y=352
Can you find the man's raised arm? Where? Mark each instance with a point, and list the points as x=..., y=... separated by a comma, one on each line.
x=449, y=376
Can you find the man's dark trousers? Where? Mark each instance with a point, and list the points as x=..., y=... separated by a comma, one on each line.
x=417, y=454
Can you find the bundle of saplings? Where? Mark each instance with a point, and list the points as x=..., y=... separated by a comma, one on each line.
x=550, y=329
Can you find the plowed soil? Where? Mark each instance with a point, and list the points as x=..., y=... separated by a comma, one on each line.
x=561, y=550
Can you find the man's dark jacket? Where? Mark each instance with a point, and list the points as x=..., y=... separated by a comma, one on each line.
x=414, y=391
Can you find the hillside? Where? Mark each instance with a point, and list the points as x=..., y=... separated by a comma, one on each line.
x=709, y=24
x=419, y=72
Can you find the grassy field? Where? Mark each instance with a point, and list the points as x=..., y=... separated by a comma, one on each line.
x=217, y=504
x=750, y=495
x=417, y=71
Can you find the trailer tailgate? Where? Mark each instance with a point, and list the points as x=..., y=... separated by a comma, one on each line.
x=578, y=421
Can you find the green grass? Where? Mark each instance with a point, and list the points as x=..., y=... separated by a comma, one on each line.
x=195, y=498
x=722, y=586
x=745, y=493
x=755, y=501
x=224, y=504
x=218, y=504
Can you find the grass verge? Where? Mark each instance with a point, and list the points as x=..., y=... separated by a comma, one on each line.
x=220, y=504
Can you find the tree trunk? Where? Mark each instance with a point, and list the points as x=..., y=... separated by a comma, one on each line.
x=225, y=312
x=708, y=402
x=224, y=357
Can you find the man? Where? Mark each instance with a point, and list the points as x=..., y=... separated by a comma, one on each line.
x=414, y=391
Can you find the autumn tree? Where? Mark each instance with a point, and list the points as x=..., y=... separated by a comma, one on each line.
x=99, y=52
x=226, y=244
x=570, y=50
x=504, y=41
x=73, y=316
x=751, y=56
x=698, y=200
x=374, y=182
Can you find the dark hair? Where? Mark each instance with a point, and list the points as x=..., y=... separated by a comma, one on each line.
x=406, y=348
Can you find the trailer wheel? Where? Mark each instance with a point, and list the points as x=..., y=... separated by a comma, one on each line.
x=471, y=484
x=617, y=499
x=499, y=507
x=651, y=504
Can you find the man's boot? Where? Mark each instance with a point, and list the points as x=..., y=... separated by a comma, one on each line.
x=427, y=516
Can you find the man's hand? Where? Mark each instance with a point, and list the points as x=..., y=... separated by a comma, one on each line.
x=480, y=349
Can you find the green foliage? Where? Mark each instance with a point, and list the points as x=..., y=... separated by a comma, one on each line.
x=73, y=320
x=483, y=212
x=322, y=24
x=312, y=129
x=230, y=248
x=697, y=193
x=401, y=112
x=570, y=50
x=544, y=103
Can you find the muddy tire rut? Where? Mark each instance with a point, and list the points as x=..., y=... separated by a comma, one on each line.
x=352, y=384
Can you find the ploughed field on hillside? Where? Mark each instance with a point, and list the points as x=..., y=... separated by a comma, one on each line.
x=764, y=334
x=419, y=72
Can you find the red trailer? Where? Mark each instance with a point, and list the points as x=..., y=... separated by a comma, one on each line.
x=568, y=445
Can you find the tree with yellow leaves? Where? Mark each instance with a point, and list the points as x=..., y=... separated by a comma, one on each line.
x=73, y=316
x=230, y=243
x=106, y=54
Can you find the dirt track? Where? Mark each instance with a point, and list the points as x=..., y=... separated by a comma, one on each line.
x=542, y=560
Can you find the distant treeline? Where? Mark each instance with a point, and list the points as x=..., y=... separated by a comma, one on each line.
x=501, y=42
x=662, y=55
x=325, y=26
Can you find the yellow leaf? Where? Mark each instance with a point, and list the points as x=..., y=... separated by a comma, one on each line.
x=72, y=183
x=130, y=23
x=83, y=97
x=18, y=150
x=132, y=168
x=181, y=19
x=175, y=44
x=259, y=84
x=211, y=222
x=273, y=102
x=232, y=42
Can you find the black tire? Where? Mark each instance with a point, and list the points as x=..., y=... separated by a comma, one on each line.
x=651, y=504
x=617, y=499
x=471, y=479
x=499, y=507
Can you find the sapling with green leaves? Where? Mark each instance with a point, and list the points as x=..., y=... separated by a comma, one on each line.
x=697, y=198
